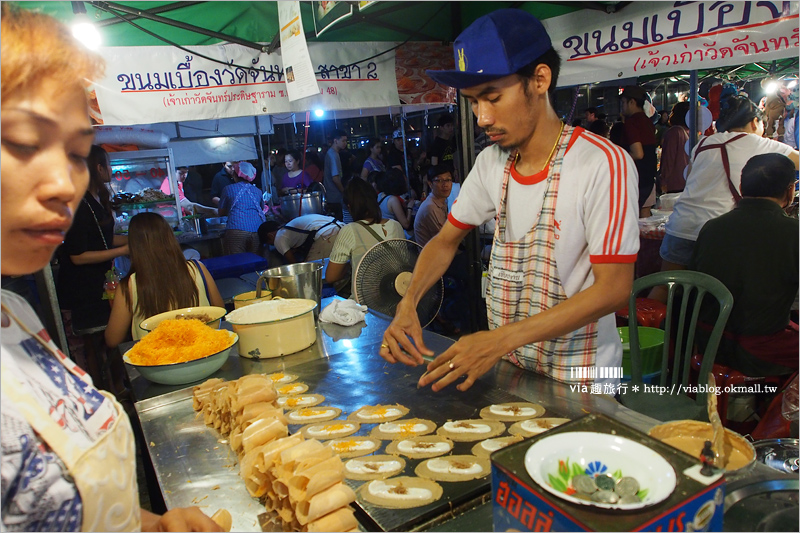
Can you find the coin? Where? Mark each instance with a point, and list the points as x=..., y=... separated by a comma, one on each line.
x=630, y=498
x=605, y=496
x=604, y=482
x=584, y=484
x=627, y=486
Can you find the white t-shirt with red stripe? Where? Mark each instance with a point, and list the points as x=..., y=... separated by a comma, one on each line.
x=596, y=214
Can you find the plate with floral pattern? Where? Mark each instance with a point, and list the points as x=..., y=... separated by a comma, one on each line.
x=554, y=461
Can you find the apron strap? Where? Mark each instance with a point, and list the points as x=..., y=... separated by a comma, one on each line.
x=726, y=165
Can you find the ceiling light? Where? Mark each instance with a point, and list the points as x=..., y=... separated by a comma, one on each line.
x=86, y=32
x=318, y=113
x=771, y=87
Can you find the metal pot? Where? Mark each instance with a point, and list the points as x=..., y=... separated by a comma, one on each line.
x=299, y=280
x=274, y=328
x=294, y=205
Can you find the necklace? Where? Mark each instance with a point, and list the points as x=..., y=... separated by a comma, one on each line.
x=552, y=151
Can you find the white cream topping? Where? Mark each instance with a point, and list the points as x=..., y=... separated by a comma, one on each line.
x=493, y=445
x=533, y=426
x=357, y=445
x=298, y=401
x=310, y=414
x=408, y=446
x=381, y=489
x=454, y=427
x=370, y=415
x=400, y=427
x=444, y=466
x=318, y=431
x=506, y=410
x=356, y=466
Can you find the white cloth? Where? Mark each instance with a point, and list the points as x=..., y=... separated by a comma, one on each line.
x=707, y=194
x=354, y=241
x=343, y=312
x=596, y=215
x=286, y=239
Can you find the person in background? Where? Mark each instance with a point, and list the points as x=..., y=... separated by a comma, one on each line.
x=187, y=206
x=753, y=250
x=222, y=179
x=68, y=454
x=243, y=204
x=305, y=238
x=334, y=173
x=392, y=185
x=278, y=169
x=590, y=115
x=160, y=280
x=432, y=213
x=353, y=240
x=444, y=145
x=314, y=166
x=674, y=158
x=713, y=179
x=87, y=256
x=296, y=179
x=599, y=127
x=192, y=184
x=555, y=278
x=396, y=155
x=640, y=136
x=662, y=126
x=373, y=161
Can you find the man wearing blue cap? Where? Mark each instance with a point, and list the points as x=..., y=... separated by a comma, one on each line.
x=566, y=236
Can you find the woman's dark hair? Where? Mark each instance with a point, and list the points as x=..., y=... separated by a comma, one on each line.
x=767, y=176
x=393, y=182
x=295, y=155
x=553, y=61
x=677, y=116
x=362, y=201
x=163, y=277
x=736, y=112
x=371, y=143
x=599, y=127
x=99, y=157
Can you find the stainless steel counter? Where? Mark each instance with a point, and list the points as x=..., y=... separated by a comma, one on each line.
x=195, y=466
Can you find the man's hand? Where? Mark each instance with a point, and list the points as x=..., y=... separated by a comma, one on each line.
x=181, y=519
x=472, y=356
x=395, y=339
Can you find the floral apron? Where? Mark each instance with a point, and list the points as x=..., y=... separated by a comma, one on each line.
x=524, y=281
x=104, y=474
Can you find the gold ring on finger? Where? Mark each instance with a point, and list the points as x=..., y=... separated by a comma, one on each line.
x=384, y=346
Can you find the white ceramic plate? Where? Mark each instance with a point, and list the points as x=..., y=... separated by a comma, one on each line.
x=554, y=460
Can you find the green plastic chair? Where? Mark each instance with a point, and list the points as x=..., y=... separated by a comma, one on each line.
x=674, y=404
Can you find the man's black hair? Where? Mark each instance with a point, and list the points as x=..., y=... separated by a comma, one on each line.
x=266, y=228
x=592, y=110
x=551, y=60
x=767, y=176
x=438, y=170
x=444, y=120
x=338, y=134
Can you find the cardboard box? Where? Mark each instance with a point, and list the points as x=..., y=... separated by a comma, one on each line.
x=520, y=504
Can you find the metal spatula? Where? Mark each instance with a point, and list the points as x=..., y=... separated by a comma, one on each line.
x=718, y=441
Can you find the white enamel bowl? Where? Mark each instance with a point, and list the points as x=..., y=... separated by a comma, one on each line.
x=553, y=461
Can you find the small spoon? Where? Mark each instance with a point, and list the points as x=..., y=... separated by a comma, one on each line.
x=718, y=440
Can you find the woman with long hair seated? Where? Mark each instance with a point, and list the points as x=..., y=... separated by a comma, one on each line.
x=160, y=280
x=68, y=455
x=391, y=185
x=357, y=237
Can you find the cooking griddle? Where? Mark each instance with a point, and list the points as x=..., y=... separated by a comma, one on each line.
x=357, y=378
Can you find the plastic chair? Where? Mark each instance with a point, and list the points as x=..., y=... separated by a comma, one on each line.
x=687, y=289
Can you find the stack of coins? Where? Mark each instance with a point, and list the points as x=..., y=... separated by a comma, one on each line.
x=603, y=489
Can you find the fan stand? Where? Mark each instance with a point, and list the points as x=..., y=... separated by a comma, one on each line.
x=401, y=283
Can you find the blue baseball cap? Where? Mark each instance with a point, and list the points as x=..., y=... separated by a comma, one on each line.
x=494, y=46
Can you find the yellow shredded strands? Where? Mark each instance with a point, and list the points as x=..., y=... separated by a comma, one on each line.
x=345, y=446
x=292, y=402
x=277, y=377
x=178, y=341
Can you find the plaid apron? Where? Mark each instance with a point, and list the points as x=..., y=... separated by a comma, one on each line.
x=524, y=281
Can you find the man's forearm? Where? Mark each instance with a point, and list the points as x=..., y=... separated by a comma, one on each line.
x=337, y=180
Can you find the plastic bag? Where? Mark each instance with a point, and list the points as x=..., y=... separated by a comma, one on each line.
x=790, y=407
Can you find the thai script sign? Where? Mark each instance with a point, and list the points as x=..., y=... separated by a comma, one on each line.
x=658, y=37
x=151, y=84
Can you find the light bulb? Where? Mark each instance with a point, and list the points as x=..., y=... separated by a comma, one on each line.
x=86, y=32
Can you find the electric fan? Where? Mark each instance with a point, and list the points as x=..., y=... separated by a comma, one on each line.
x=383, y=276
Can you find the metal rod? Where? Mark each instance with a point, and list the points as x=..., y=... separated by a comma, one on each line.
x=106, y=6
x=693, y=125
x=265, y=168
x=155, y=10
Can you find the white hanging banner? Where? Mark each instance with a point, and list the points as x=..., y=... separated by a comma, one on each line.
x=149, y=84
x=649, y=38
x=300, y=79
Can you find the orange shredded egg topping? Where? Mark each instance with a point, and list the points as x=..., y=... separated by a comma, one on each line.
x=286, y=389
x=344, y=446
x=312, y=412
x=178, y=341
x=292, y=402
x=276, y=377
x=332, y=428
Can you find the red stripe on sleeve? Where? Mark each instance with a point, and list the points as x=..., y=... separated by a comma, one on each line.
x=600, y=259
x=458, y=224
x=613, y=209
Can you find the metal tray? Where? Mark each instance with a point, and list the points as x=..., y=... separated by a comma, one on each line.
x=195, y=466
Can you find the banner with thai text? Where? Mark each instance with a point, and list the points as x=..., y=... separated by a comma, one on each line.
x=151, y=84
x=648, y=38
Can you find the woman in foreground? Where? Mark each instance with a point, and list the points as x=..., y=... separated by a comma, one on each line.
x=68, y=453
